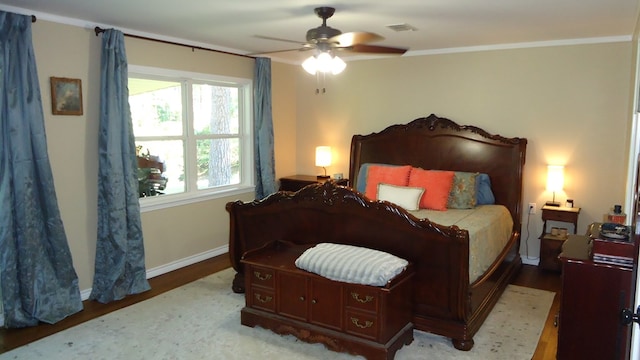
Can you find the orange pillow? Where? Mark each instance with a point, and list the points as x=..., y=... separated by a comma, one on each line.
x=392, y=175
x=437, y=186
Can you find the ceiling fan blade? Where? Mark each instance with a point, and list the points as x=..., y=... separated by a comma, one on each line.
x=301, y=43
x=353, y=38
x=361, y=48
x=305, y=48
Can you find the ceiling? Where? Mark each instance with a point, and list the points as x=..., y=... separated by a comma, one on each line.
x=441, y=25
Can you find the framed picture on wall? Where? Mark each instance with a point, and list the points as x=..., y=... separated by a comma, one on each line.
x=66, y=96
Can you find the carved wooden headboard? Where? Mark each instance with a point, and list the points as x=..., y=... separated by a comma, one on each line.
x=438, y=143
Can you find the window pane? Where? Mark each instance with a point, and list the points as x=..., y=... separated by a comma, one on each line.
x=156, y=107
x=218, y=162
x=160, y=167
x=215, y=109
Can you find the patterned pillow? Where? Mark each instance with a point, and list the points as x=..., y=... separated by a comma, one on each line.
x=394, y=175
x=437, y=186
x=463, y=191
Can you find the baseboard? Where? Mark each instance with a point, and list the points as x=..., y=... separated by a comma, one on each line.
x=163, y=269
x=530, y=261
x=175, y=265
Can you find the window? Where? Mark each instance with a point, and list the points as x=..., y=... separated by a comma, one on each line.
x=192, y=134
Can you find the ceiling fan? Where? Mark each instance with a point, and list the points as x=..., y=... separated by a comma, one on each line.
x=326, y=40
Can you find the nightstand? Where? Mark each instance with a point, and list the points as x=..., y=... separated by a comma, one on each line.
x=551, y=245
x=297, y=182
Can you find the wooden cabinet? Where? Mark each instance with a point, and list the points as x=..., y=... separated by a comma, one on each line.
x=310, y=300
x=365, y=320
x=551, y=244
x=297, y=182
x=593, y=297
x=292, y=295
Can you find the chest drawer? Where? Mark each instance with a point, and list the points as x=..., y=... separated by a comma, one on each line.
x=259, y=298
x=362, y=324
x=362, y=297
x=260, y=276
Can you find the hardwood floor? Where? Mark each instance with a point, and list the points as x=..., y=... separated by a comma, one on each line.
x=530, y=276
x=13, y=338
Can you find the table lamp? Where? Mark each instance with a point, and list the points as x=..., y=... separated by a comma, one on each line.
x=555, y=182
x=323, y=159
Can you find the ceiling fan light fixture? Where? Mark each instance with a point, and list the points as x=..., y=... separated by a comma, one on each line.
x=324, y=62
x=310, y=65
x=337, y=65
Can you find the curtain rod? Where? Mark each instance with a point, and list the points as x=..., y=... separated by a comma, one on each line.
x=33, y=18
x=99, y=30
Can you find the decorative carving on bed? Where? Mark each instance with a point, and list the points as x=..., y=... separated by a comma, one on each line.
x=282, y=218
x=330, y=193
x=444, y=300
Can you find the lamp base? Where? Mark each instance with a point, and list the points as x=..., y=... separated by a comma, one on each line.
x=552, y=203
x=323, y=177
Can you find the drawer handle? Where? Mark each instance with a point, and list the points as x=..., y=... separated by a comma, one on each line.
x=266, y=299
x=260, y=277
x=301, y=298
x=356, y=322
x=366, y=299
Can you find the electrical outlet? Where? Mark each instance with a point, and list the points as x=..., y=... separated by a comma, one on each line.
x=532, y=208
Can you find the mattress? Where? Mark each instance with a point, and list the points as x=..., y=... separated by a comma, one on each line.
x=489, y=228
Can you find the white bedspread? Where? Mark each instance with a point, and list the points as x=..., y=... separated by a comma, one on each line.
x=489, y=229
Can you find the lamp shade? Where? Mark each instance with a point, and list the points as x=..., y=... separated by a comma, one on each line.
x=555, y=177
x=323, y=156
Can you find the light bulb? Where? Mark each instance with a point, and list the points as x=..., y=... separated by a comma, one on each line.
x=324, y=62
x=338, y=65
x=310, y=65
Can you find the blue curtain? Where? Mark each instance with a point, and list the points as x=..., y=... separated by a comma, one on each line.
x=37, y=277
x=263, y=130
x=119, y=265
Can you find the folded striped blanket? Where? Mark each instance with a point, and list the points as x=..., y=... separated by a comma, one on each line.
x=351, y=264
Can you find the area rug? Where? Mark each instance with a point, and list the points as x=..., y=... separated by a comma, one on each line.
x=201, y=320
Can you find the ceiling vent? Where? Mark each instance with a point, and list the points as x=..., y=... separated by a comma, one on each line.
x=402, y=27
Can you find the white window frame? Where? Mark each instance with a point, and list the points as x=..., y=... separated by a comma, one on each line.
x=245, y=115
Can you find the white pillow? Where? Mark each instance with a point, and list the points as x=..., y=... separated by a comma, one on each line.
x=404, y=196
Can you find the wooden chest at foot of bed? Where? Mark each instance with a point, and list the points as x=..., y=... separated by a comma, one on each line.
x=364, y=320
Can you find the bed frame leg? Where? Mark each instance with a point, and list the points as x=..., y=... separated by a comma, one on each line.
x=238, y=283
x=464, y=345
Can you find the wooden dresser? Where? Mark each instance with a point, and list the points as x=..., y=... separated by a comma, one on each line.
x=593, y=297
x=364, y=320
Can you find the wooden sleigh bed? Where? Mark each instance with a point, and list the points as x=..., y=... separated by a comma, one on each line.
x=445, y=301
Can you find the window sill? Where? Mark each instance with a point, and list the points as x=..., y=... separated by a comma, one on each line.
x=169, y=201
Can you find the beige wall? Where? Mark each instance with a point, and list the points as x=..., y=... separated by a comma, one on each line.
x=170, y=235
x=284, y=92
x=570, y=102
